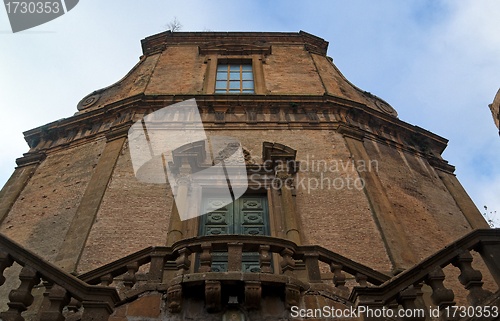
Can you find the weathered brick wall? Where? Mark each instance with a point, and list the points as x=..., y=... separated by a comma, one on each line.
x=180, y=70
x=334, y=213
x=290, y=70
x=133, y=83
x=133, y=215
x=333, y=210
x=43, y=211
x=336, y=217
x=425, y=208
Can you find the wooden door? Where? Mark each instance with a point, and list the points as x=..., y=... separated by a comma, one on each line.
x=248, y=215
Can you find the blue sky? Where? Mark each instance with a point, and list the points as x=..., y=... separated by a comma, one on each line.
x=437, y=62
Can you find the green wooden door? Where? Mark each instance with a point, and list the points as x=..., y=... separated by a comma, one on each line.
x=247, y=215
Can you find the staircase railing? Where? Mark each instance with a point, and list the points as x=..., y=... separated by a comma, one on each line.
x=405, y=288
x=170, y=267
x=280, y=262
x=98, y=301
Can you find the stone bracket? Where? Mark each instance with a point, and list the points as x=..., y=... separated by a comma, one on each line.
x=174, y=298
x=213, y=296
x=253, y=294
x=292, y=295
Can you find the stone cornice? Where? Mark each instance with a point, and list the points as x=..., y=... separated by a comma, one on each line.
x=230, y=49
x=252, y=112
x=30, y=159
x=441, y=164
x=248, y=40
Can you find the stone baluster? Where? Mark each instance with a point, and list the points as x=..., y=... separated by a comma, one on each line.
x=5, y=262
x=205, y=257
x=234, y=254
x=441, y=296
x=155, y=274
x=94, y=310
x=74, y=305
x=408, y=299
x=129, y=279
x=311, y=259
x=287, y=262
x=58, y=298
x=470, y=278
x=265, y=259
x=179, y=209
x=182, y=262
x=21, y=298
x=419, y=301
x=106, y=279
x=361, y=279
x=338, y=276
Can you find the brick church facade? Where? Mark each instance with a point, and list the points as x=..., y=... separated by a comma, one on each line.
x=347, y=205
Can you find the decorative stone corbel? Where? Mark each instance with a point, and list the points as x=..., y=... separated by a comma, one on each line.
x=253, y=294
x=174, y=298
x=292, y=295
x=219, y=114
x=213, y=297
x=251, y=115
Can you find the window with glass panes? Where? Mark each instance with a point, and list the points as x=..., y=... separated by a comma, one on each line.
x=234, y=79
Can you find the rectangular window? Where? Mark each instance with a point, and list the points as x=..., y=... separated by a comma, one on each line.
x=234, y=78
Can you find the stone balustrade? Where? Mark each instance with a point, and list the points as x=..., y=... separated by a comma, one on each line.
x=98, y=302
x=405, y=289
x=173, y=268
x=282, y=266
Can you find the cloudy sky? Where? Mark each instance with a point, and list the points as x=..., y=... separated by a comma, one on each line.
x=436, y=61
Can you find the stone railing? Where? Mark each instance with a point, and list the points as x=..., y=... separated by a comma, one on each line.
x=280, y=264
x=62, y=289
x=172, y=268
x=405, y=290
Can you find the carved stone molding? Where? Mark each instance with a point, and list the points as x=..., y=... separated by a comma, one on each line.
x=254, y=110
x=194, y=153
x=253, y=294
x=251, y=115
x=30, y=159
x=441, y=165
x=234, y=49
x=279, y=153
x=352, y=132
x=213, y=296
x=219, y=114
x=312, y=116
x=174, y=298
x=292, y=295
x=117, y=132
x=89, y=100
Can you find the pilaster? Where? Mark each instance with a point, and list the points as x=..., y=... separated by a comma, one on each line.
x=81, y=225
x=463, y=200
x=27, y=166
x=398, y=248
